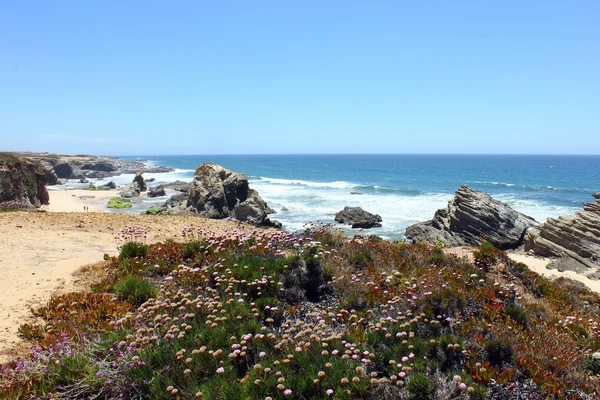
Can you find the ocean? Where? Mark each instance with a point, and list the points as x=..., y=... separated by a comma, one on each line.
x=403, y=189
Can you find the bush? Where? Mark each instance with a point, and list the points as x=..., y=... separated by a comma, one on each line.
x=517, y=314
x=132, y=250
x=486, y=255
x=192, y=249
x=437, y=256
x=135, y=290
x=118, y=202
x=498, y=351
x=420, y=388
x=593, y=366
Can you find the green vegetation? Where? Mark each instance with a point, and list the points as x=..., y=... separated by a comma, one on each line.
x=119, y=202
x=151, y=211
x=135, y=290
x=133, y=250
x=271, y=315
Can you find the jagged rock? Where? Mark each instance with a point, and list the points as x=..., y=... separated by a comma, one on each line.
x=219, y=193
x=109, y=185
x=358, y=218
x=471, y=215
x=23, y=181
x=157, y=191
x=139, y=182
x=180, y=186
x=84, y=180
x=575, y=239
x=137, y=186
x=149, y=180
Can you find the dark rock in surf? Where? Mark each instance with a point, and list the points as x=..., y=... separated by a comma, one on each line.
x=358, y=218
x=157, y=191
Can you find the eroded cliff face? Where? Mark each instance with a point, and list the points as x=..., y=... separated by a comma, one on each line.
x=574, y=239
x=22, y=180
x=470, y=216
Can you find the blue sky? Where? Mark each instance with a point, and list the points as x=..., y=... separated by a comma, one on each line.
x=199, y=77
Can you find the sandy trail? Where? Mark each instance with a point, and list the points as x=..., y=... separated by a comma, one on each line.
x=39, y=252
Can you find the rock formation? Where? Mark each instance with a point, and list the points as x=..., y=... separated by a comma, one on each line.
x=137, y=186
x=358, y=218
x=574, y=239
x=470, y=215
x=219, y=193
x=157, y=191
x=22, y=181
x=109, y=185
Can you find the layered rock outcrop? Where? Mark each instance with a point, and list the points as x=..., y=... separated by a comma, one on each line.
x=22, y=181
x=217, y=192
x=575, y=240
x=470, y=216
x=358, y=218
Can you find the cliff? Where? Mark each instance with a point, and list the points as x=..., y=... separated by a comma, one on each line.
x=22, y=180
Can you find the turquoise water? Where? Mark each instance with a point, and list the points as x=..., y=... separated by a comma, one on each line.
x=403, y=189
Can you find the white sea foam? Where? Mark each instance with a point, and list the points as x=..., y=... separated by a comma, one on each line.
x=298, y=204
x=539, y=212
x=299, y=182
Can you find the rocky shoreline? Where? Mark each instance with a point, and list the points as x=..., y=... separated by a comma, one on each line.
x=59, y=166
x=470, y=218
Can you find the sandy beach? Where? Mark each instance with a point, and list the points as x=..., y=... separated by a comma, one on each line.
x=40, y=252
x=75, y=200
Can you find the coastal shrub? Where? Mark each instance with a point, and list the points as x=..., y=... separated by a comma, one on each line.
x=118, y=202
x=498, y=351
x=31, y=332
x=593, y=366
x=132, y=250
x=447, y=303
x=437, y=256
x=447, y=353
x=486, y=255
x=420, y=387
x=516, y=314
x=192, y=249
x=135, y=290
x=227, y=328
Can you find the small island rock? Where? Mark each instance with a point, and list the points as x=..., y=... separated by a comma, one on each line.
x=358, y=218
